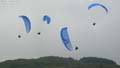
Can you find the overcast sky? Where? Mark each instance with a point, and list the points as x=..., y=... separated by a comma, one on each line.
x=101, y=40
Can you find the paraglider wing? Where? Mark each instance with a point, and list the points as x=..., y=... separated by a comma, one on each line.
x=97, y=4
x=47, y=19
x=27, y=23
x=65, y=39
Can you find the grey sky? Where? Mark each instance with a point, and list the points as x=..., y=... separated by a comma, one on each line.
x=102, y=40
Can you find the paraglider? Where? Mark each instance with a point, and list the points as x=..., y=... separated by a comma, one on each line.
x=38, y=33
x=19, y=36
x=94, y=23
x=47, y=19
x=27, y=23
x=65, y=39
x=76, y=48
x=97, y=4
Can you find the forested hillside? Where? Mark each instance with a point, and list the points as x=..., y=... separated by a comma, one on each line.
x=59, y=62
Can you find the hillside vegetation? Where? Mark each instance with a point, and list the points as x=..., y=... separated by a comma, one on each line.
x=60, y=62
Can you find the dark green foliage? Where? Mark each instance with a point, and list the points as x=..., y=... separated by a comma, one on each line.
x=95, y=60
x=51, y=62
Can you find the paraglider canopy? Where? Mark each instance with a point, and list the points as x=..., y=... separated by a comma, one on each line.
x=27, y=23
x=47, y=19
x=65, y=39
x=97, y=4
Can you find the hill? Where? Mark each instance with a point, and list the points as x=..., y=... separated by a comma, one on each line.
x=53, y=62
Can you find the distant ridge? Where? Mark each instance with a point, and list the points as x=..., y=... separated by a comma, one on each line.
x=57, y=62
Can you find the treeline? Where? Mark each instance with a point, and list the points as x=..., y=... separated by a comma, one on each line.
x=60, y=62
x=96, y=60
